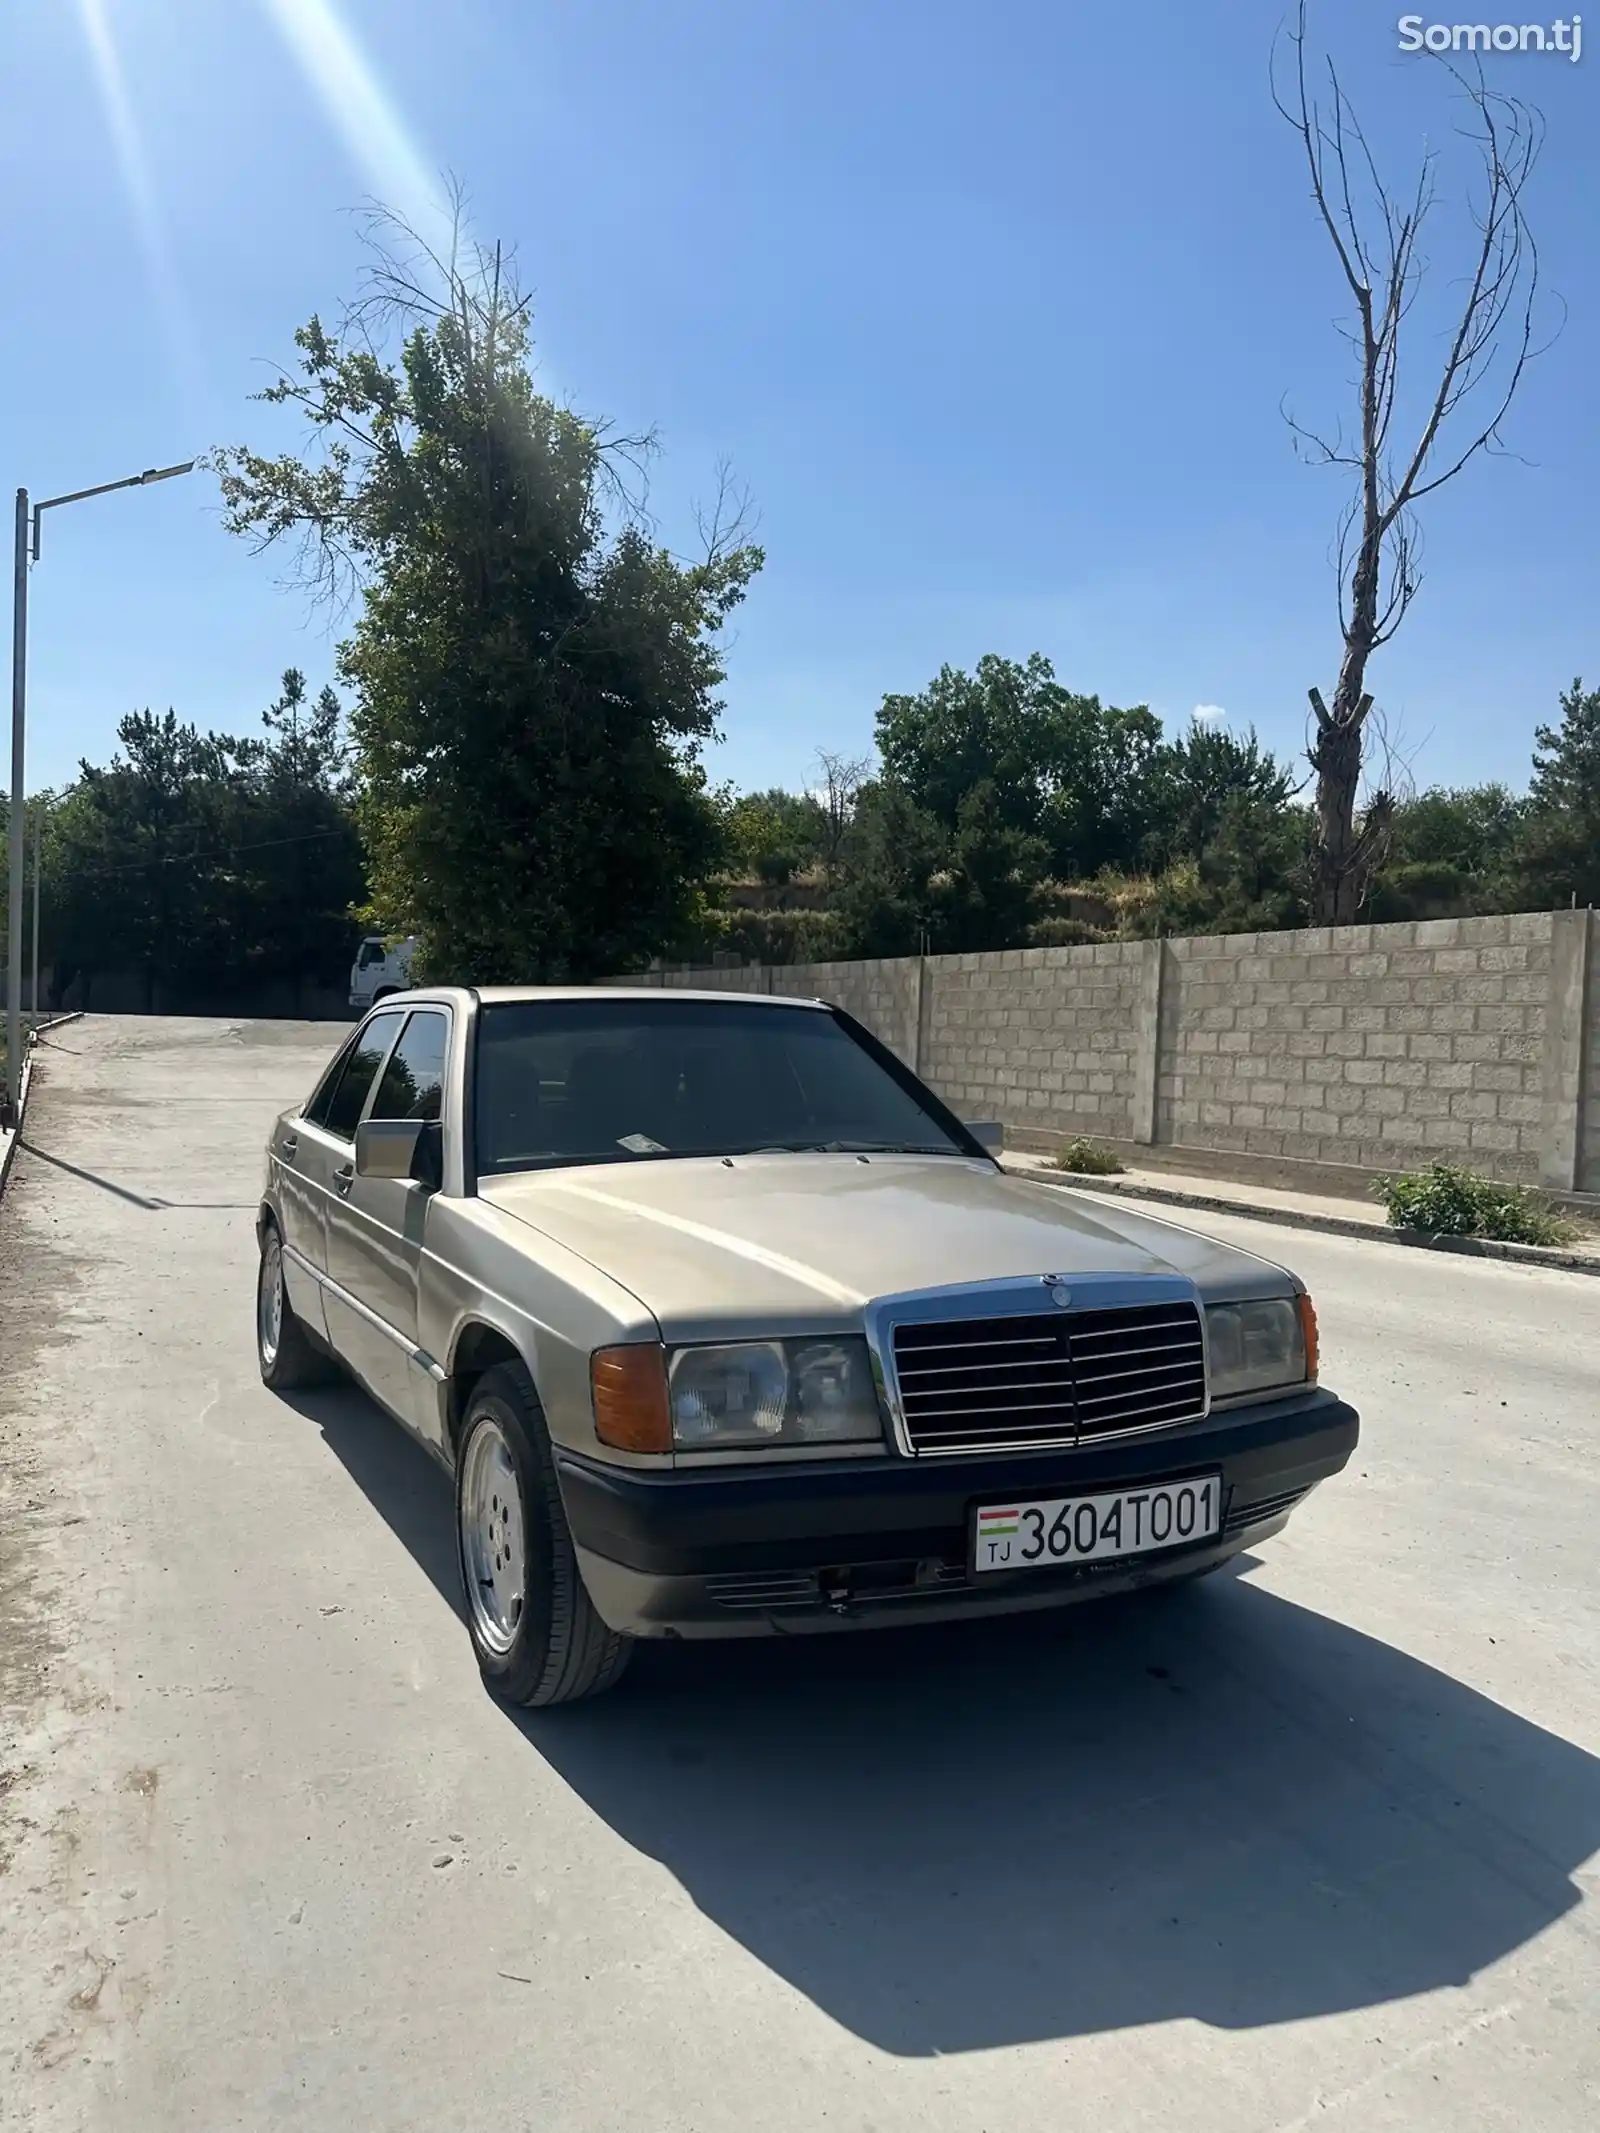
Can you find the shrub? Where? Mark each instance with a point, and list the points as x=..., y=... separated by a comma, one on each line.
x=1088, y=1159
x=770, y=936
x=1064, y=933
x=1451, y=1202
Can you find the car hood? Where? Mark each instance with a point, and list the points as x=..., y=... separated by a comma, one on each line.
x=802, y=1242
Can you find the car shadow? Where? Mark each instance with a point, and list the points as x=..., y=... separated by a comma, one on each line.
x=405, y=1485
x=1214, y=1804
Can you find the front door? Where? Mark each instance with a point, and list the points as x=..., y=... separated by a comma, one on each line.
x=375, y=1228
x=307, y=1153
x=324, y=1157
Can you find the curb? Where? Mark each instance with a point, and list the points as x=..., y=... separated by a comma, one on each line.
x=14, y=1137
x=1332, y=1225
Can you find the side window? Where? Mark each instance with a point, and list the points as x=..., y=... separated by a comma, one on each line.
x=360, y=1071
x=413, y=1081
x=317, y=1109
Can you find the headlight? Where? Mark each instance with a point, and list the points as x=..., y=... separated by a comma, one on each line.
x=753, y=1393
x=1255, y=1346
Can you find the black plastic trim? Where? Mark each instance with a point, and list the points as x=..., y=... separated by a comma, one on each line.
x=699, y=1522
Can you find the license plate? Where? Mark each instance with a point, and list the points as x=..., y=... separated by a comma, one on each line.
x=1033, y=1534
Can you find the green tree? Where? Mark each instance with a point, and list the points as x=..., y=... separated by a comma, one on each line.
x=1065, y=768
x=1450, y=852
x=533, y=689
x=987, y=894
x=300, y=874
x=132, y=886
x=885, y=901
x=1251, y=876
x=1557, y=859
x=775, y=835
x=1195, y=779
x=200, y=860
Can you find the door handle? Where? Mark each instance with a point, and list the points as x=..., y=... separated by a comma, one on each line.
x=287, y=1147
x=344, y=1178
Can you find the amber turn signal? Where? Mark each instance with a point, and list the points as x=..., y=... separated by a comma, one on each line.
x=1308, y=1326
x=630, y=1397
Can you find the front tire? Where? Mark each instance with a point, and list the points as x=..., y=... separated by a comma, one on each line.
x=288, y=1358
x=534, y=1628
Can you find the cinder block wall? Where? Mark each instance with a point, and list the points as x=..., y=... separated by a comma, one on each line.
x=1380, y=1047
x=1587, y=1124
x=1038, y=1036
x=883, y=995
x=1377, y=1045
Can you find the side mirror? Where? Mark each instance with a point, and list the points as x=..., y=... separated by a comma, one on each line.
x=387, y=1147
x=989, y=1134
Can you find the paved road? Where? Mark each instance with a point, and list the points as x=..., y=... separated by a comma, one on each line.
x=1313, y=1847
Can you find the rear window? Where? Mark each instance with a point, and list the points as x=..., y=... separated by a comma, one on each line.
x=586, y=1081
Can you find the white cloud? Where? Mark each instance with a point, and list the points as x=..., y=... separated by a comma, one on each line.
x=1209, y=715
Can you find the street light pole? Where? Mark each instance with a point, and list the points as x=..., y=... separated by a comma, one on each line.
x=38, y=885
x=19, y=715
x=30, y=527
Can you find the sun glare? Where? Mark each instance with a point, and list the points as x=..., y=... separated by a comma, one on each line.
x=139, y=188
x=363, y=114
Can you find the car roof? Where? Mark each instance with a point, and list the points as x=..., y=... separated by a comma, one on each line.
x=500, y=995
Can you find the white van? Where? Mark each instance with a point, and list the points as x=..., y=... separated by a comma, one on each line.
x=379, y=969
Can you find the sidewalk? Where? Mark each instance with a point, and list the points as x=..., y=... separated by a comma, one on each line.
x=1297, y=1210
x=8, y=1140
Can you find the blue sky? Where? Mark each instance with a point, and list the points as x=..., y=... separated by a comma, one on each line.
x=992, y=308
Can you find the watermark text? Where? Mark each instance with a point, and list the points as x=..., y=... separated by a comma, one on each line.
x=1565, y=36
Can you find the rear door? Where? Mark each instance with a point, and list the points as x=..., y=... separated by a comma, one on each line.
x=375, y=1228
x=301, y=1177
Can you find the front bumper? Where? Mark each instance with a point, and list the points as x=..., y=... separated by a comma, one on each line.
x=851, y=1543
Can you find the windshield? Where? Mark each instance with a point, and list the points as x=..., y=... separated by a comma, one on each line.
x=611, y=1081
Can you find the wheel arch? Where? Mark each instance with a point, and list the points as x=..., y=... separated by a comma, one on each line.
x=477, y=1349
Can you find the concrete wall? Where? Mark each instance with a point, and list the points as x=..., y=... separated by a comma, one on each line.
x=1379, y=1047
x=1034, y=1036
x=1587, y=1124
x=1376, y=1045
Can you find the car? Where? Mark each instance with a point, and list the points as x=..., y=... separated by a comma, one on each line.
x=725, y=1325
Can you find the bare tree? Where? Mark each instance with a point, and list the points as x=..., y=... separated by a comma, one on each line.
x=842, y=779
x=1487, y=343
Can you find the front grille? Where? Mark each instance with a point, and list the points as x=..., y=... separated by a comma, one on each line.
x=980, y=1384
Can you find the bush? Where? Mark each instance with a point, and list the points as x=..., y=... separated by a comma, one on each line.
x=1450, y=1202
x=771, y=936
x=1088, y=1159
x=1064, y=933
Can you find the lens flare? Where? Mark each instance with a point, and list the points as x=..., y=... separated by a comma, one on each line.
x=363, y=114
x=141, y=193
